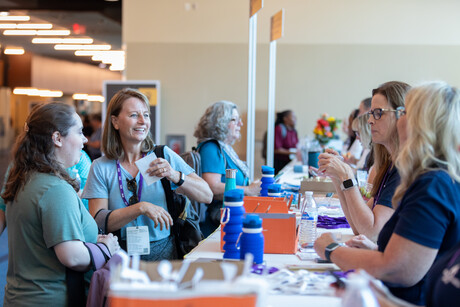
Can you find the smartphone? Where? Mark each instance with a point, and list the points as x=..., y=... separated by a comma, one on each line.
x=319, y=260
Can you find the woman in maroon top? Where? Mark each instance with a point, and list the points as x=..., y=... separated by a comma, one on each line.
x=285, y=138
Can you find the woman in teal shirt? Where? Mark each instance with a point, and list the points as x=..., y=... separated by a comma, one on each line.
x=217, y=131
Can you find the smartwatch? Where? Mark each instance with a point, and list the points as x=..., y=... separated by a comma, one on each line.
x=348, y=184
x=181, y=180
x=329, y=249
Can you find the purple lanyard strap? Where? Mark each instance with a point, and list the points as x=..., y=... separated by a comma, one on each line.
x=384, y=181
x=120, y=185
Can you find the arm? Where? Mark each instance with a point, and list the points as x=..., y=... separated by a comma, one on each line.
x=360, y=215
x=120, y=217
x=403, y=262
x=193, y=187
x=73, y=254
x=76, y=256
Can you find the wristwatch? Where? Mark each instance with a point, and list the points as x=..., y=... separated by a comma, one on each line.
x=348, y=184
x=181, y=180
x=329, y=249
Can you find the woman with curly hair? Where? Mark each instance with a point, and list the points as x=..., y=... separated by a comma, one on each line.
x=217, y=130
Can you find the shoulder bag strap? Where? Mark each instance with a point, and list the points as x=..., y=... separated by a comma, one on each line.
x=159, y=152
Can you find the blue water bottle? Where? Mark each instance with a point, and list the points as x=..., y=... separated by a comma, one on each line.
x=274, y=190
x=252, y=239
x=268, y=174
x=232, y=219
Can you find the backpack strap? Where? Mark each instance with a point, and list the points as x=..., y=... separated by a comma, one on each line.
x=159, y=152
x=218, y=145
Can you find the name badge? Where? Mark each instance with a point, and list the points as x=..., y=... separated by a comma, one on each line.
x=137, y=240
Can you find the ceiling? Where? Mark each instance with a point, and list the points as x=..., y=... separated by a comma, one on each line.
x=101, y=19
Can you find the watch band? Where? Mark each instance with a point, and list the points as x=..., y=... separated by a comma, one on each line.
x=181, y=180
x=329, y=249
x=348, y=184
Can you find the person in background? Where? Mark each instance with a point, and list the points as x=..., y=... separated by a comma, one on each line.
x=426, y=223
x=351, y=156
x=82, y=169
x=351, y=147
x=94, y=141
x=286, y=138
x=119, y=198
x=87, y=129
x=369, y=217
x=51, y=236
x=216, y=132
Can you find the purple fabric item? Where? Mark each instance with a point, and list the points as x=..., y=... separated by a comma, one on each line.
x=99, y=254
x=328, y=222
x=260, y=268
x=100, y=283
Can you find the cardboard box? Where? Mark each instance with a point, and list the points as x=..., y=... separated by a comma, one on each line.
x=324, y=186
x=279, y=226
x=124, y=294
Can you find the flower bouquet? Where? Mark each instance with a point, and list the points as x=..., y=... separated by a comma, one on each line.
x=325, y=129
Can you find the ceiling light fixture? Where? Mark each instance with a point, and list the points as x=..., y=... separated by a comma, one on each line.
x=62, y=40
x=31, y=91
x=14, y=18
x=14, y=51
x=53, y=32
x=8, y=26
x=82, y=47
x=36, y=32
x=34, y=26
x=20, y=32
x=95, y=98
x=79, y=96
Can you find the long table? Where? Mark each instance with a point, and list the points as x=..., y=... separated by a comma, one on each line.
x=210, y=249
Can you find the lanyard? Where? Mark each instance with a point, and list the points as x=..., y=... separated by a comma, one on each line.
x=376, y=199
x=120, y=185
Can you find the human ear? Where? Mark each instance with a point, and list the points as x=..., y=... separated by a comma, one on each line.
x=57, y=138
x=114, y=121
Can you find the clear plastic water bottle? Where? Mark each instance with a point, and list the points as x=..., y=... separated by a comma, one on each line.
x=358, y=293
x=308, y=221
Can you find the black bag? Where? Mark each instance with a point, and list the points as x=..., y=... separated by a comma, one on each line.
x=186, y=228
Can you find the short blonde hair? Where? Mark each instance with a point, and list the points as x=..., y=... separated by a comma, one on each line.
x=111, y=141
x=433, y=123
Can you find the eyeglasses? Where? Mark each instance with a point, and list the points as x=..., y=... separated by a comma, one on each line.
x=237, y=120
x=377, y=113
x=132, y=187
x=400, y=111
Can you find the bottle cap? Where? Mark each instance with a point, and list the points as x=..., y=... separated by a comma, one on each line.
x=234, y=195
x=309, y=193
x=267, y=170
x=252, y=221
x=274, y=188
x=230, y=173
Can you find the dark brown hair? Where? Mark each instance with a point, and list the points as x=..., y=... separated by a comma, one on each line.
x=34, y=147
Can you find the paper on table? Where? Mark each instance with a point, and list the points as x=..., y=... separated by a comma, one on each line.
x=143, y=165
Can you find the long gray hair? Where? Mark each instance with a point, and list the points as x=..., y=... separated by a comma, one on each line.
x=214, y=122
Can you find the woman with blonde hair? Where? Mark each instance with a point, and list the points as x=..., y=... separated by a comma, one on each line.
x=426, y=222
x=368, y=218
